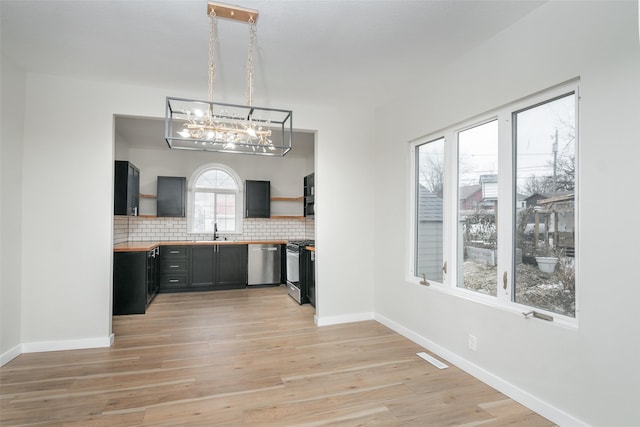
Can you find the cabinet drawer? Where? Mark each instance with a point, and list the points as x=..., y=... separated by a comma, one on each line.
x=173, y=280
x=174, y=266
x=170, y=252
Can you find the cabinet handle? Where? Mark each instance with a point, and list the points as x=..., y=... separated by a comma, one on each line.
x=504, y=280
x=173, y=280
x=444, y=267
x=174, y=266
x=174, y=252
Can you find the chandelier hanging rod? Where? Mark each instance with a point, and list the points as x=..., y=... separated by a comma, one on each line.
x=232, y=12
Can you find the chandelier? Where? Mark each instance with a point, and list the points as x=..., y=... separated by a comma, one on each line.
x=213, y=126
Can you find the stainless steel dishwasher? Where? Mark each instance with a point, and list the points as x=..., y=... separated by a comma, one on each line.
x=264, y=264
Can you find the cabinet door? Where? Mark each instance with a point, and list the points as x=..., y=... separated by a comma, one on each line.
x=310, y=259
x=152, y=274
x=309, y=196
x=133, y=190
x=257, y=199
x=202, y=266
x=231, y=263
x=126, y=194
x=171, y=196
x=129, y=282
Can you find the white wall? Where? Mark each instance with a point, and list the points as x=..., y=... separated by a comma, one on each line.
x=67, y=207
x=285, y=173
x=12, y=115
x=588, y=374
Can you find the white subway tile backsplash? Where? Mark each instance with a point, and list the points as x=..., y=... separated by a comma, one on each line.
x=143, y=228
x=120, y=229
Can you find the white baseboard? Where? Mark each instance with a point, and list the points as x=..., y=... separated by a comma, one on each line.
x=345, y=318
x=11, y=354
x=525, y=398
x=40, y=346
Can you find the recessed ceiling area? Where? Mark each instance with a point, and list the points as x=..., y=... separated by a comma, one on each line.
x=148, y=133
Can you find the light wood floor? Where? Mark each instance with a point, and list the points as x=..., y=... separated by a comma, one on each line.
x=247, y=358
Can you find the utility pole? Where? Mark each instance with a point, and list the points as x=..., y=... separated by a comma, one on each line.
x=555, y=162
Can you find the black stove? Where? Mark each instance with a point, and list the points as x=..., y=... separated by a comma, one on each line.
x=298, y=245
x=295, y=249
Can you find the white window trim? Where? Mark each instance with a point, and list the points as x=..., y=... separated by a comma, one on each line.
x=239, y=198
x=503, y=114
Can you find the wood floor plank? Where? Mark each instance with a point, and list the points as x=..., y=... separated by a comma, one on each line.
x=248, y=357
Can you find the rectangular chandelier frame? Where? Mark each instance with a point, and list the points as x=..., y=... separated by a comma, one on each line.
x=227, y=128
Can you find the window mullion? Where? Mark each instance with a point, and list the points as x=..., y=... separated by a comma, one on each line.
x=450, y=208
x=505, y=208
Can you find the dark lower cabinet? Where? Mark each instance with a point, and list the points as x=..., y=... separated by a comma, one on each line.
x=152, y=274
x=134, y=281
x=202, y=267
x=231, y=266
x=307, y=275
x=173, y=270
x=219, y=266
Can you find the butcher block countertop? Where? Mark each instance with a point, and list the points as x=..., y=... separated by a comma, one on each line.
x=143, y=246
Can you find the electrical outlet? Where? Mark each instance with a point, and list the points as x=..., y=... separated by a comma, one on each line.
x=473, y=341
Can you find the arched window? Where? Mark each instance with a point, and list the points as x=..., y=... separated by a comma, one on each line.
x=215, y=200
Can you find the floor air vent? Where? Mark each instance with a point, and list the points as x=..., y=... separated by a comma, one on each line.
x=435, y=362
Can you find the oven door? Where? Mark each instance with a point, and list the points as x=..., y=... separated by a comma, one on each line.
x=293, y=275
x=293, y=266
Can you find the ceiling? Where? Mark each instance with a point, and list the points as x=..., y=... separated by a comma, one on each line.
x=319, y=52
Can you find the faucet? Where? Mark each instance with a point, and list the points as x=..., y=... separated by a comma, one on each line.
x=215, y=231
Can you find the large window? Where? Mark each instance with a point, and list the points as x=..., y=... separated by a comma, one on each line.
x=514, y=170
x=215, y=201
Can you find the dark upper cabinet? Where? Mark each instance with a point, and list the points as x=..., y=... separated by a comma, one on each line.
x=309, y=196
x=126, y=194
x=171, y=197
x=257, y=202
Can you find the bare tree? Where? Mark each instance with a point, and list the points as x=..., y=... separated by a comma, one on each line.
x=537, y=184
x=566, y=173
x=431, y=173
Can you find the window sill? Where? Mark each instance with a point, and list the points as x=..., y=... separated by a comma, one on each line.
x=494, y=302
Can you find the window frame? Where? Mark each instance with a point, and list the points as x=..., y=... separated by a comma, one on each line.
x=414, y=212
x=506, y=192
x=238, y=193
